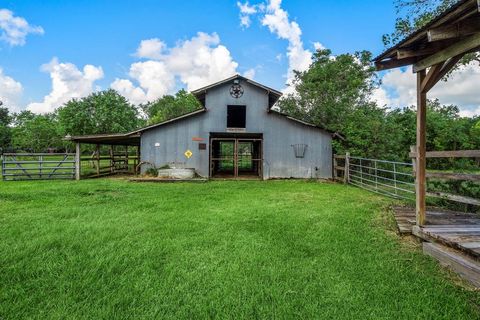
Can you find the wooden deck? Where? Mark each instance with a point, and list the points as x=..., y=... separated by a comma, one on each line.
x=405, y=218
x=450, y=237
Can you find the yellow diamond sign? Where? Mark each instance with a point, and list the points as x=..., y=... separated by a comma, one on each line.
x=188, y=154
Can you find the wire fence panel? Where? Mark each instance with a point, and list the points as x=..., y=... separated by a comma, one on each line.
x=38, y=166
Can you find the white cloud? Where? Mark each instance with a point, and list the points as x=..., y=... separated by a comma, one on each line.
x=14, y=30
x=246, y=10
x=127, y=89
x=470, y=113
x=150, y=49
x=318, y=46
x=278, y=22
x=10, y=92
x=196, y=62
x=399, y=89
x=250, y=73
x=67, y=82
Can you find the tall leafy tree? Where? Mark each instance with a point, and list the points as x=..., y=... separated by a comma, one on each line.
x=170, y=106
x=331, y=88
x=35, y=133
x=101, y=112
x=5, y=130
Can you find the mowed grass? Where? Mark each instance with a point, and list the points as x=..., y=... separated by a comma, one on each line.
x=112, y=249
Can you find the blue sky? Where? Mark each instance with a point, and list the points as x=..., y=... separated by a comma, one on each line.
x=106, y=34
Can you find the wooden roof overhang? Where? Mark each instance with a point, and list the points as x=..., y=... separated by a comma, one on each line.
x=123, y=139
x=448, y=36
x=436, y=48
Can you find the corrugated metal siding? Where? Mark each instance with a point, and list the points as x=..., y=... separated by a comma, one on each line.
x=279, y=134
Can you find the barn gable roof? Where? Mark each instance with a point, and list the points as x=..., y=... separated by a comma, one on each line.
x=273, y=95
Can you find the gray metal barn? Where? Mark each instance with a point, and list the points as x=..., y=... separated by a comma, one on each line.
x=236, y=134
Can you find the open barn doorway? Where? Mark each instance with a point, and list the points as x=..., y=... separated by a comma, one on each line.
x=235, y=156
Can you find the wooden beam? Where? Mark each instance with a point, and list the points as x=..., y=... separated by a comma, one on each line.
x=77, y=161
x=450, y=154
x=394, y=63
x=431, y=77
x=446, y=67
x=410, y=53
x=421, y=163
x=462, y=28
x=459, y=48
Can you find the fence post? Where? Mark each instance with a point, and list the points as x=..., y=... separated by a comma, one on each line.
x=40, y=165
x=346, y=174
x=376, y=175
x=335, y=175
x=413, y=149
x=2, y=158
x=98, y=159
x=77, y=161
x=395, y=176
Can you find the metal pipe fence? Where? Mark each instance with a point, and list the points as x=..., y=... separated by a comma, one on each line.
x=389, y=178
x=38, y=166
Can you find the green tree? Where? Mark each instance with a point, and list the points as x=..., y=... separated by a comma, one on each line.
x=5, y=130
x=100, y=112
x=331, y=88
x=35, y=133
x=168, y=106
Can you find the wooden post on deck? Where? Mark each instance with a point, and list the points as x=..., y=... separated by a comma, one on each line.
x=421, y=164
x=77, y=161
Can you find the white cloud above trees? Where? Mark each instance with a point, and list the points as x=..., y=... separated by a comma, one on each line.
x=14, y=29
x=277, y=20
x=195, y=62
x=10, y=92
x=398, y=89
x=67, y=82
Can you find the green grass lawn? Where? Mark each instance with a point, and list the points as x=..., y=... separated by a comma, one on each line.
x=112, y=249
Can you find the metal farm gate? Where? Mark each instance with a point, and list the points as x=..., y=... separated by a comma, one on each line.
x=38, y=166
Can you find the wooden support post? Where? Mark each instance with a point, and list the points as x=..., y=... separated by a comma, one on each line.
x=126, y=158
x=347, y=168
x=98, y=159
x=77, y=161
x=421, y=163
x=335, y=164
x=137, y=170
x=112, y=162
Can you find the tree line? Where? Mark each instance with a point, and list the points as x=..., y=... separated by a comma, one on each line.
x=100, y=112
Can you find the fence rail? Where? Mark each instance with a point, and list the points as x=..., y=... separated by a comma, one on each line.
x=397, y=179
x=38, y=166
